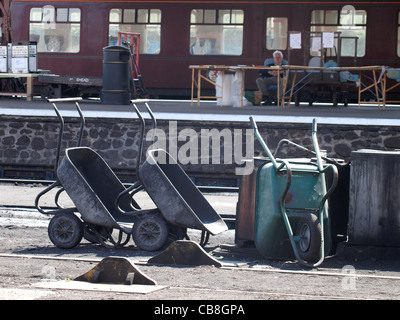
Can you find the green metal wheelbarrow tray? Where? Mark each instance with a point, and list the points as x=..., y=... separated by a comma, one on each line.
x=291, y=211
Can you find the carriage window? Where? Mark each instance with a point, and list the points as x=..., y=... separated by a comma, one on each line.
x=216, y=32
x=36, y=14
x=62, y=15
x=129, y=16
x=350, y=23
x=324, y=17
x=55, y=29
x=277, y=29
x=146, y=22
x=74, y=15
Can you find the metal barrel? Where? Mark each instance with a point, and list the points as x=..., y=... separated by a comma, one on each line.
x=116, y=69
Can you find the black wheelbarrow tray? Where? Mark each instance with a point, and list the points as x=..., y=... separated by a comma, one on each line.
x=176, y=196
x=93, y=187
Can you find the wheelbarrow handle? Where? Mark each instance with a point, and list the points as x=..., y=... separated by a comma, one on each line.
x=65, y=99
x=153, y=119
x=263, y=144
x=140, y=101
x=316, y=145
x=137, y=186
x=332, y=187
x=314, y=125
x=59, y=208
x=37, y=199
x=142, y=126
x=61, y=130
x=253, y=123
x=146, y=103
x=142, y=129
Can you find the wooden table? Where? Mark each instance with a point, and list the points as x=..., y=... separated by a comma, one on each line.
x=378, y=73
x=239, y=70
x=29, y=84
x=386, y=89
x=196, y=81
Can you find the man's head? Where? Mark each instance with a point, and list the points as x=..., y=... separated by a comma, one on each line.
x=278, y=57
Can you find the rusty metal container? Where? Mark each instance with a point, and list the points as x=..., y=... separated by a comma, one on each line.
x=245, y=210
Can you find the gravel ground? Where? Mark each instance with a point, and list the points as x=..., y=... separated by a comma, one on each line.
x=28, y=259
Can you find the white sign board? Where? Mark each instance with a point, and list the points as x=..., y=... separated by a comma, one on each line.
x=315, y=44
x=295, y=40
x=328, y=39
x=20, y=59
x=32, y=58
x=3, y=59
x=19, y=65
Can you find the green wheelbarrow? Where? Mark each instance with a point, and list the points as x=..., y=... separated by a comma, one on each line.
x=291, y=209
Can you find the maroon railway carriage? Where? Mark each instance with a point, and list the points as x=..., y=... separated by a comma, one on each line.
x=177, y=34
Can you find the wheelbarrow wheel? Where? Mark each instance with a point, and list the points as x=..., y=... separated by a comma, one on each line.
x=150, y=232
x=310, y=237
x=65, y=230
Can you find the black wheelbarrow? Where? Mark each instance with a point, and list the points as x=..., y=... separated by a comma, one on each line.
x=104, y=204
x=69, y=225
x=179, y=201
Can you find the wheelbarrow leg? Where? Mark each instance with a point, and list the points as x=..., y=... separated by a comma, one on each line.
x=101, y=235
x=205, y=236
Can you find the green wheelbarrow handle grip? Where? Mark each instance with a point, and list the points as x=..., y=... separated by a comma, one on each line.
x=253, y=123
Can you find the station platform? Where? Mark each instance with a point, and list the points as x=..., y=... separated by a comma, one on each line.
x=209, y=111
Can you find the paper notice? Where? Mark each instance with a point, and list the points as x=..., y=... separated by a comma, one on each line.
x=295, y=40
x=315, y=44
x=3, y=64
x=328, y=39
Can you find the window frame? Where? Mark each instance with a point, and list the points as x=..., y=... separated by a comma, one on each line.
x=137, y=22
x=338, y=27
x=236, y=19
x=267, y=38
x=54, y=20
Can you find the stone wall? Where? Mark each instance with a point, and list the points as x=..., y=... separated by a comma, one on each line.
x=338, y=141
x=33, y=140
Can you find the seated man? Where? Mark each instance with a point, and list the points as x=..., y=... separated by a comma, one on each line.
x=269, y=78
